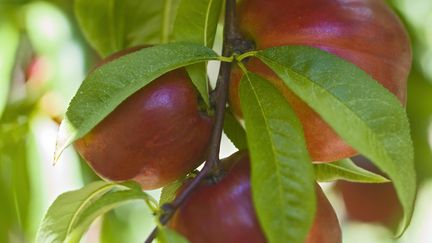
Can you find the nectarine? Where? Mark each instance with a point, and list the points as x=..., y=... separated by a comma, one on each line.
x=154, y=137
x=223, y=212
x=364, y=32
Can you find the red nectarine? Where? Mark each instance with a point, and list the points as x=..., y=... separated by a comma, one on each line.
x=364, y=32
x=154, y=137
x=223, y=212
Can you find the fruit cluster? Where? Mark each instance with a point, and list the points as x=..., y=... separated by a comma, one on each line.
x=160, y=133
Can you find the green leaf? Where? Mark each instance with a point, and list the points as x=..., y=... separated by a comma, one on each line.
x=359, y=109
x=282, y=177
x=198, y=75
x=129, y=223
x=346, y=170
x=114, y=229
x=9, y=40
x=16, y=197
x=419, y=111
x=113, y=25
x=168, y=18
x=107, y=86
x=234, y=131
x=103, y=205
x=165, y=235
x=65, y=211
x=169, y=192
x=196, y=22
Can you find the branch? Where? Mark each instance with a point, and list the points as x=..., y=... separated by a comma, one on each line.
x=231, y=37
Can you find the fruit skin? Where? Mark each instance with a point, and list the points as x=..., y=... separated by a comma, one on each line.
x=364, y=32
x=224, y=213
x=154, y=137
x=325, y=228
x=370, y=203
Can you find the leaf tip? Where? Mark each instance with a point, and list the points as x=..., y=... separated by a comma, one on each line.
x=64, y=139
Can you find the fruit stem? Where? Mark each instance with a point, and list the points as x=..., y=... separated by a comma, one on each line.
x=246, y=55
x=230, y=39
x=226, y=59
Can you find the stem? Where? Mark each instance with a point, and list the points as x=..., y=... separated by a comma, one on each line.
x=246, y=55
x=219, y=101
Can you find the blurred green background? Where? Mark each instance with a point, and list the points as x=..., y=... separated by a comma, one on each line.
x=44, y=58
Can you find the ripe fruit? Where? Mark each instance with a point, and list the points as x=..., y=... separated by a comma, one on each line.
x=370, y=203
x=364, y=32
x=223, y=211
x=154, y=137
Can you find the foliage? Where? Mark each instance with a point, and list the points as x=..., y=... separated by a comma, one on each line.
x=183, y=33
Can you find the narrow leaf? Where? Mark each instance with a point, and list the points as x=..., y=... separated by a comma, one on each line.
x=115, y=229
x=346, y=170
x=234, y=131
x=107, y=86
x=419, y=111
x=170, y=8
x=359, y=109
x=166, y=235
x=112, y=25
x=131, y=222
x=66, y=210
x=198, y=75
x=16, y=194
x=196, y=22
x=103, y=205
x=282, y=175
x=8, y=46
x=169, y=192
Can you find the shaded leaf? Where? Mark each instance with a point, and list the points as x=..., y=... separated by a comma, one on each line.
x=113, y=25
x=129, y=223
x=196, y=21
x=166, y=235
x=15, y=186
x=198, y=75
x=113, y=229
x=419, y=110
x=169, y=192
x=234, y=131
x=346, y=170
x=9, y=40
